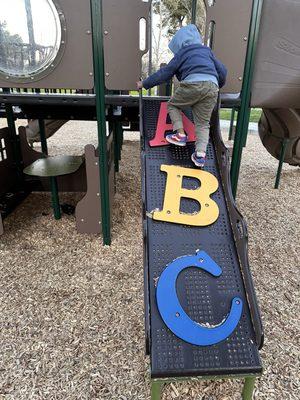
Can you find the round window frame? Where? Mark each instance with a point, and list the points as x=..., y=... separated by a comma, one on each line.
x=48, y=68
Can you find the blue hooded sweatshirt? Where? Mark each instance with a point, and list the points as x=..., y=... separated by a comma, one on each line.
x=192, y=62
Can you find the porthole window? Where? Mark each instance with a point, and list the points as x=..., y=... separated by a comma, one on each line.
x=32, y=38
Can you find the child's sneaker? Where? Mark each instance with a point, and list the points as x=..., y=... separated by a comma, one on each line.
x=178, y=140
x=198, y=161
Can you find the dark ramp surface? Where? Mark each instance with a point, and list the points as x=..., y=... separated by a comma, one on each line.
x=206, y=299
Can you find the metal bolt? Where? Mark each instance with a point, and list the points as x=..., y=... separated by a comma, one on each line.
x=105, y=32
x=88, y=32
x=107, y=74
x=62, y=42
x=98, y=194
x=91, y=74
x=240, y=78
x=82, y=220
x=96, y=163
x=245, y=38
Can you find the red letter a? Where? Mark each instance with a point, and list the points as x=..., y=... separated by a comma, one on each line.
x=163, y=127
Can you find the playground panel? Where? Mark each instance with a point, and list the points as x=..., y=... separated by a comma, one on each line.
x=231, y=20
x=276, y=81
x=73, y=65
x=123, y=56
x=279, y=130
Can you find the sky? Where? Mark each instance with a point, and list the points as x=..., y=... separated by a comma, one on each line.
x=44, y=22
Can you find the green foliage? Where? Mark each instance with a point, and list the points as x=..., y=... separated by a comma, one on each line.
x=6, y=37
x=177, y=13
x=255, y=115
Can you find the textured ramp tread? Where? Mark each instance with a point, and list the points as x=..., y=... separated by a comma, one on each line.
x=205, y=298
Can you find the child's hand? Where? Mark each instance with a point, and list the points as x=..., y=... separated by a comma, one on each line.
x=139, y=85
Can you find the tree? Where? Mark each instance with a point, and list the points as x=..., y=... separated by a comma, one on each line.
x=8, y=45
x=170, y=15
x=176, y=13
x=157, y=34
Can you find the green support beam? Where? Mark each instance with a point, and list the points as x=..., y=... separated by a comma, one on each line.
x=248, y=388
x=99, y=78
x=281, y=161
x=55, y=198
x=43, y=136
x=118, y=142
x=232, y=120
x=244, y=113
x=156, y=390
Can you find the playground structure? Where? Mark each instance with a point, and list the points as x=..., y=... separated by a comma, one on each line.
x=97, y=50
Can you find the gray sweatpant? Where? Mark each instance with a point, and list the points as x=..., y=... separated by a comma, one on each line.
x=202, y=98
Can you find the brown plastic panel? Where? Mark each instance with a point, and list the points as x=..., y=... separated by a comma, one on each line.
x=276, y=125
x=8, y=175
x=239, y=226
x=123, y=57
x=232, y=22
x=88, y=210
x=75, y=70
x=276, y=81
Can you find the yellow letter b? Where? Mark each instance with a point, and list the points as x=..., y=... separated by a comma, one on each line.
x=209, y=210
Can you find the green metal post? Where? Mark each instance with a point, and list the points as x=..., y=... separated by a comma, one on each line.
x=150, y=33
x=281, y=161
x=120, y=135
x=244, y=114
x=43, y=136
x=97, y=23
x=248, y=388
x=55, y=198
x=156, y=388
x=117, y=143
x=194, y=11
x=15, y=142
x=232, y=119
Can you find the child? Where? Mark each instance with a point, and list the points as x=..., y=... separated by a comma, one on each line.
x=200, y=75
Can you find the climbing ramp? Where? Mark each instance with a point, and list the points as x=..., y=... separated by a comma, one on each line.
x=206, y=299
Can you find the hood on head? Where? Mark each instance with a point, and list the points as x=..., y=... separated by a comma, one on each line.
x=186, y=36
